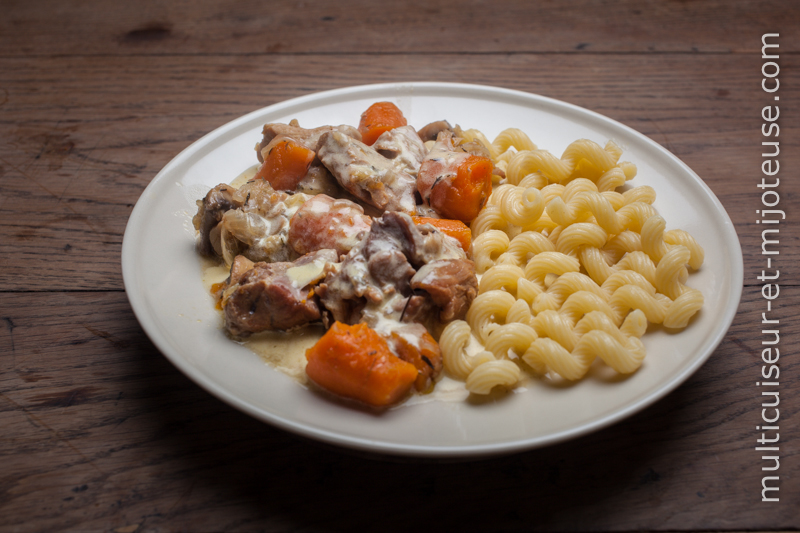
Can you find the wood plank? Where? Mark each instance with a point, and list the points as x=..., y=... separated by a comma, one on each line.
x=74, y=161
x=282, y=27
x=101, y=432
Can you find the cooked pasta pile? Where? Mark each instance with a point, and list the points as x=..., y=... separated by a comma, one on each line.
x=572, y=269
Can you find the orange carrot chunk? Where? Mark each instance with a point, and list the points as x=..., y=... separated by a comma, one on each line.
x=378, y=118
x=355, y=362
x=454, y=228
x=286, y=164
x=463, y=196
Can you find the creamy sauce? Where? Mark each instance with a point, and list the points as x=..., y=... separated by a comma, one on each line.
x=286, y=351
x=245, y=176
x=213, y=273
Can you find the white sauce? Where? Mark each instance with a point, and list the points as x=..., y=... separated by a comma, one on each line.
x=245, y=176
x=286, y=352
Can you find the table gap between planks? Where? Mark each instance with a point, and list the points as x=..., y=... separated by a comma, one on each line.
x=100, y=432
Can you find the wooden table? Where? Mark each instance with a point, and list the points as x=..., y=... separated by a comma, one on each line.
x=101, y=433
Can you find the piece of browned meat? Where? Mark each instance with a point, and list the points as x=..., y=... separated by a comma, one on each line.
x=239, y=268
x=366, y=174
x=451, y=285
x=307, y=137
x=275, y=296
x=403, y=147
x=374, y=282
x=318, y=180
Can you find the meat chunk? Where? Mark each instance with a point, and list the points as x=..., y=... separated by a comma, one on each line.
x=274, y=296
x=366, y=174
x=307, y=137
x=324, y=222
x=239, y=268
x=403, y=147
x=318, y=180
x=451, y=285
x=374, y=283
x=374, y=279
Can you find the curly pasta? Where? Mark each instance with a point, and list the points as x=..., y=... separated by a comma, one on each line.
x=502, y=277
x=453, y=343
x=490, y=218
x=492, y=374
x=573, y=270
x=522, y=206
x=512, y=137
x=487, y=247
x=524, y=246
x=487, y=311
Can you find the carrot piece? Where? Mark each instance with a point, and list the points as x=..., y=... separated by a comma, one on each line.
x=463, y=196
x=355, y=362
x=378, y=118
x=454, y=228
x=286, y=164
x=425, y=356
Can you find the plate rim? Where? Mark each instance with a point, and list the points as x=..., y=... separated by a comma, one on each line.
x=138, y=301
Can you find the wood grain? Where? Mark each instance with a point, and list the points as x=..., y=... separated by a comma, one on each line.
x=83, y=158
x=96, y=27
x=101, y=432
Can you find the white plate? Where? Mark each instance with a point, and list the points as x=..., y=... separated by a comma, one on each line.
x=162, y=277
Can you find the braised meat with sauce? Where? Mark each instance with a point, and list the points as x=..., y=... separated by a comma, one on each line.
x=308, y=137
x=377, y=279
x=366, y=174
x=302, y=249
x=451, y=285
x=274, y=296
x=403, y=147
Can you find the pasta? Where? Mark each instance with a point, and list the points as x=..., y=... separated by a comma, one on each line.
x=572, y=270
x=491, y=374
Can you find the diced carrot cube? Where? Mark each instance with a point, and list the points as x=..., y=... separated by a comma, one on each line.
x=379, y=118
x=286, y=164
x=355, y=362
